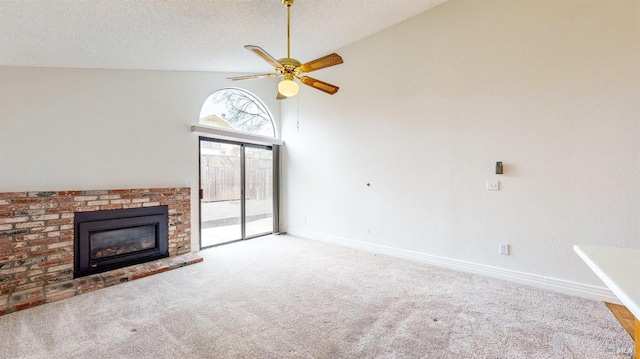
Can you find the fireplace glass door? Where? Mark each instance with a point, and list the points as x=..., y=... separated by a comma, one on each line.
x=236, y=191
x=115, y=242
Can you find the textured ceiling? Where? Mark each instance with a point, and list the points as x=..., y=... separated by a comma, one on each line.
x=189, y=35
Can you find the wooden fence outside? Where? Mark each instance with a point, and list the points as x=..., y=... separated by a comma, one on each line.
x=220, y=178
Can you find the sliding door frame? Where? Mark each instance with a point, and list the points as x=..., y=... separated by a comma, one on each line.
x=275, y=151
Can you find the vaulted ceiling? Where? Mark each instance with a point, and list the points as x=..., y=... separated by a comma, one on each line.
x=187, y=35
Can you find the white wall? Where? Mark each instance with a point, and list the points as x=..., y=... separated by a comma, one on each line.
x=66, y=129
x=426, y=108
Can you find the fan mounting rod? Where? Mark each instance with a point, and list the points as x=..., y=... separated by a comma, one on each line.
x=288, y=4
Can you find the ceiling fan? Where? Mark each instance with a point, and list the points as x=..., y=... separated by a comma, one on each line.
x=290, y=68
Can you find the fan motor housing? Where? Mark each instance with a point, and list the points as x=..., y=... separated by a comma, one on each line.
x=290, y=65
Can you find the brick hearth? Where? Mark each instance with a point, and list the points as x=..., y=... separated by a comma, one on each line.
x=37, y=235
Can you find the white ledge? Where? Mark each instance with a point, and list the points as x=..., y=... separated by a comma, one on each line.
x=618, y=268
x=236, y=136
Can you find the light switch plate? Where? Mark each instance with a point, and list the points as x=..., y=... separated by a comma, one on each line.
x=493, y=185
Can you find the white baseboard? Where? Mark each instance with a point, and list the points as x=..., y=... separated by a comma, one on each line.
x=553, y=284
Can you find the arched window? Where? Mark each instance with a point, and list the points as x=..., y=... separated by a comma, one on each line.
x=237, y=110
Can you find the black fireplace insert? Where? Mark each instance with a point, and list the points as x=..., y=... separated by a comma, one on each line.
x=111, y=239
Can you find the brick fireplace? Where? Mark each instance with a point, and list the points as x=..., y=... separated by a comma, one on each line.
x=37, y=241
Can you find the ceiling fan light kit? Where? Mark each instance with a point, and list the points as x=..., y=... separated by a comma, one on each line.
x=290, y=68
x=288, y=88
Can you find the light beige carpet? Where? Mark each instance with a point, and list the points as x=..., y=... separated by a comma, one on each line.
x=285, y=297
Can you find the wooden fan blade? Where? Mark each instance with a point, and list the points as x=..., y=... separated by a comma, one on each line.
x=264, y=55
x=320, y=85
x=321, y=63
x=252, y=77
x=281, y=96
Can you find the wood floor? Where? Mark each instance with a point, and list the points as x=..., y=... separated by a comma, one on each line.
x=630, y=323
x=624, y=316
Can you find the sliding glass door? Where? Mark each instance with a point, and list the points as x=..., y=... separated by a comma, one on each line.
x=236, y=191
x=220, y=193
x=259, y=191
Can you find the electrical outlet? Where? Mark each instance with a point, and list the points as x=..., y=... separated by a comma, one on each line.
x=504, y=249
